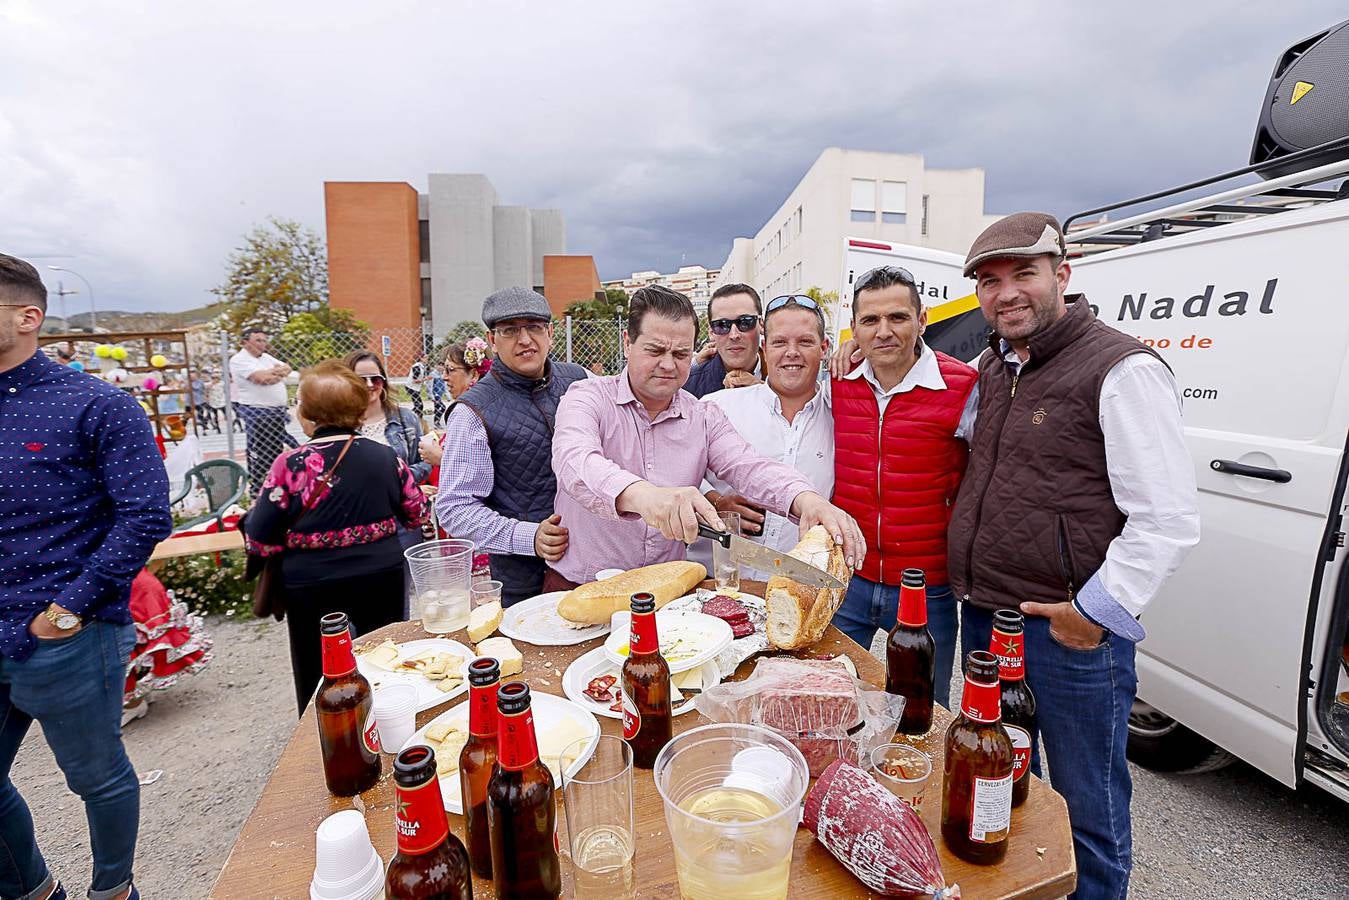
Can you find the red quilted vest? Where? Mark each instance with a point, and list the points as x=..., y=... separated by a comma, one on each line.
x=900, y=486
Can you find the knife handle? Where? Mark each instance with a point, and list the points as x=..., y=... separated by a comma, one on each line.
x=721, y=537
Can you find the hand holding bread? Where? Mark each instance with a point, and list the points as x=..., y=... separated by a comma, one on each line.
x=798, y=615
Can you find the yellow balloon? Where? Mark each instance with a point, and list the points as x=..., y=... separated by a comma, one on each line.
x=158, y=361
x=103, y=351
x=119, y=353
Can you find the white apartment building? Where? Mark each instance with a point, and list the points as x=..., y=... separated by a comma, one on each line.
x=694, y=282
x=863, y=194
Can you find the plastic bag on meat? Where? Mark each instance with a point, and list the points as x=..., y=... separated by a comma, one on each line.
x=875, y=835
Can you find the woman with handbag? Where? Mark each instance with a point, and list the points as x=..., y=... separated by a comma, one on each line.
x=330, y=511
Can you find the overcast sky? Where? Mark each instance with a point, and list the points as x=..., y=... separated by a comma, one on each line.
x=140, y=140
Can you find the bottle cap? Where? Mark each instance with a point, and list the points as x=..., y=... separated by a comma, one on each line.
x=484, y=671
x=913, y=578
x=982, y=667
x=513, y=698
x=333, y=623
x=643, y=602
x=414, y=766
x=1009, y=621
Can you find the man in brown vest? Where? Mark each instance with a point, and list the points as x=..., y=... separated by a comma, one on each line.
x=1078, y=503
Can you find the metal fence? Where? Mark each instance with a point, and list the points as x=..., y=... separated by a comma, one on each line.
x=253, y=434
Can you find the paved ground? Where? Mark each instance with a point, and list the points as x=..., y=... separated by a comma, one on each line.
x=1230, y=834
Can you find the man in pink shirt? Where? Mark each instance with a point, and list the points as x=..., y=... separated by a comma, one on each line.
x=630, y=450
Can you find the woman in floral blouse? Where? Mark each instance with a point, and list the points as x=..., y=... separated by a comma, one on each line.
x=343, y=553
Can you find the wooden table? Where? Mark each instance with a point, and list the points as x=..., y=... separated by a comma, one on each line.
x=191, y=545
x=274, y=854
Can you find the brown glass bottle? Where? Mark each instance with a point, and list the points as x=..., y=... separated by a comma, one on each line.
x=645, y=685
x=1018, y=701
x=911, y=655
x=976, y=802
x=477, y=760
x=431, y=862
x=345, y=710
x=521, y=812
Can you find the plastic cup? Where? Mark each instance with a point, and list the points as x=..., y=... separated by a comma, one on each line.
x=485, y=592
x=730, y=839
x=904, y=770
x=725, y=569
x=395, y=714
x=346, y=864
x=442, y=575
x=600, y=828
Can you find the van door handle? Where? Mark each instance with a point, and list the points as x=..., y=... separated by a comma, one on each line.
x=1279, y=476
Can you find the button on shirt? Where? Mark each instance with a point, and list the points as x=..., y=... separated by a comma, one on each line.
x=243, y=364
x=606, y=441
x=83, y=497
x=806, y=444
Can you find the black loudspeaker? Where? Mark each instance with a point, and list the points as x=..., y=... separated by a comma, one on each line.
x=1307, y=104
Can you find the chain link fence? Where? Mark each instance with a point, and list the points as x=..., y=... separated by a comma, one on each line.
x=251, y=422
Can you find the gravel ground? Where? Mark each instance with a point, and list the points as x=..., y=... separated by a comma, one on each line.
x=1233, y=833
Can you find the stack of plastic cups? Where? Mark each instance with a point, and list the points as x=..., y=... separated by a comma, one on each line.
x=346, y=864
x=396, y=715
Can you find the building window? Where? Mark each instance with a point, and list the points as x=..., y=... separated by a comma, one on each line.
x=424, y=239
x=925, y=199
x=863, y=200
x=893, y=202
x=426, y=295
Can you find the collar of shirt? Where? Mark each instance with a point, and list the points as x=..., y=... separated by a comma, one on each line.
x=765, y=394
x=1010, y=356
x=925, y=373
x=625, y=396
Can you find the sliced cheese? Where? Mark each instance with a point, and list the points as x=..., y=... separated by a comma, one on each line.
x=556, y=738
x=483, y=621
x=689, y=679
x=503, y=651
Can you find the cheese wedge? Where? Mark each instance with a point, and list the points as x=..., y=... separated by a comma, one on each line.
x=483, y=621
x=503, y=651
x=689, y=679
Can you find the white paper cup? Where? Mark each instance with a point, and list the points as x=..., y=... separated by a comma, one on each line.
x=396, y=715
x=346, y=864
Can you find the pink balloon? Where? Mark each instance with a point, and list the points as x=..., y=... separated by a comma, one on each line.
x=150, y=384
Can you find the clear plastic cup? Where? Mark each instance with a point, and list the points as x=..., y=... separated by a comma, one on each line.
x=730, y=840
x=442, y=575
x=485, y=592
x=600, y=826
x=346, y=865
x=903, y=770
x=396, y=715
x=725, y=569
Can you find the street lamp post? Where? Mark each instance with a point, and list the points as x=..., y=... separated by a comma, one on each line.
x=93, y=310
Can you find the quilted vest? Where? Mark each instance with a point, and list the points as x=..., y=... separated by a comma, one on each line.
x=518, y=414
x=898, y=478
x=1035, y=513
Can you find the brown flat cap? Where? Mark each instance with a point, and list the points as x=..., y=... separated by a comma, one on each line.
x=1020, y=234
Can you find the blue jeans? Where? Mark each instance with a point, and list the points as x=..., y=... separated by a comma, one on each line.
x=73, y=687
x=1082, y=700
x=868, y=606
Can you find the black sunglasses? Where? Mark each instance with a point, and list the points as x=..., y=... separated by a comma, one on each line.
x=744, y=323
x=890, y=273
x=373, y=380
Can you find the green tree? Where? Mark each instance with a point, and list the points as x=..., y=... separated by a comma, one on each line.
x=458, y=334
x=323, y=333
x=828, y=301
x=280, y=271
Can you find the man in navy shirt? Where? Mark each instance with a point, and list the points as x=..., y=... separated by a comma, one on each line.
x=734, y=317
x=83, y=501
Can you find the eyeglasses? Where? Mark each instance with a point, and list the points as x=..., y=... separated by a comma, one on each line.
x=798, y=299
x=743, y=323
x=880, y=273
x=511, y=332
x=373, y=381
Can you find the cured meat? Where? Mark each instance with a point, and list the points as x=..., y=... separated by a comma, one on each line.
x=739, y=630
x=875, y=835
x=601, y=689
x=812, y=703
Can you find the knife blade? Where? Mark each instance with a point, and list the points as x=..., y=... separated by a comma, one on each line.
x=774, y=562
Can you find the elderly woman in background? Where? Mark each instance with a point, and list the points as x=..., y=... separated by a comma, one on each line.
x=333, y=507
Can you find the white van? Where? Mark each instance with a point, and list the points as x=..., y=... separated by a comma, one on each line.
x=1245, y=294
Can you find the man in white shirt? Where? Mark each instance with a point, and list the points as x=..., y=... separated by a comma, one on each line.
x=786, y=419
x=260, y=379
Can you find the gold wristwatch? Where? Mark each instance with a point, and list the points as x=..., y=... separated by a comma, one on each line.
x=63, y=619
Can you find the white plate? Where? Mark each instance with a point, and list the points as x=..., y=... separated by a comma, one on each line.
x=708, y=633
x=548, y=711
x=536, y=621
x=428, y=695
x=591, y=665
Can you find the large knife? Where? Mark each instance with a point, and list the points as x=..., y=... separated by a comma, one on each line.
x=766, y=559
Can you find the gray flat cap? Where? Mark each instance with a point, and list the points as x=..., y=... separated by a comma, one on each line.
x=515, y=303
x=1020, y=234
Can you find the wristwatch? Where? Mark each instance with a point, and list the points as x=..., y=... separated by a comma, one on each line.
x=63, y=619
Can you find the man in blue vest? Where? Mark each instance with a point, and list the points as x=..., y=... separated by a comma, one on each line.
x=496, y=480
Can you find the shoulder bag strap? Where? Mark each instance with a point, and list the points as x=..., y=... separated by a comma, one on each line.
x=326, y=480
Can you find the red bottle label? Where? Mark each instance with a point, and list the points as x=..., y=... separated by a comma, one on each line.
x=517, y=748
x=1010, y=649
x=632, y=719
x=482, y=711
x=370, y=733
x=1020, y=738
x=420, y=817
x=644, y=638
x=338, y=660
x=912, y=606
x=982, y=702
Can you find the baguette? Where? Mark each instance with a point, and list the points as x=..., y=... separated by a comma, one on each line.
x=798, y=615
x=594, y=603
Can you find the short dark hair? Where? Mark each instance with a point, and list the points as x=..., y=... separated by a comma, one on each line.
x=249, y=332
x=727, y=290
x=662, y=301
x=882, y=277
x=20, y=281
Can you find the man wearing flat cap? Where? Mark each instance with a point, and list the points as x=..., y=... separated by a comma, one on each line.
x=1078, y=503
x=496, y=480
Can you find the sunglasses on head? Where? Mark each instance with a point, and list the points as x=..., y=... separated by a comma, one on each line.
x=744, y=323
x=798, y=299
x=373, y=381
x=895, y=273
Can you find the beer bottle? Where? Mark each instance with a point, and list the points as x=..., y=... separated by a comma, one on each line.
x=345, y=705
x=911, y=655
x=477, y=759
x=976, y=802
x=521, y=813
x=1018, y=702
x=431, y=862
x=645, y=685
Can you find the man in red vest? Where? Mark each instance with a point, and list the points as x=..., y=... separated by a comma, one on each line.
x=898, y=461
